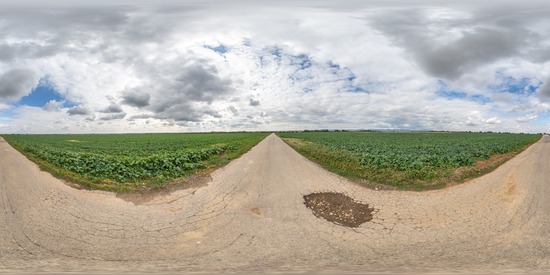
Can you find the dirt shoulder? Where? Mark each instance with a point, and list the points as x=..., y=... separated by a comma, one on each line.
x=385, y=179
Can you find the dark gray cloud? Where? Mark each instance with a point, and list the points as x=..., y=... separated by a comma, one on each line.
x=180, y=113
x=111, y=31
x=449, y=48
x=80, y=110
x=35, y=21
x=254, y=102
x=7, y=52
x=212, y=113
x=200, y=82
x=180, y=90
x=502, y=97
x=233, y=110
x=135, y=99
x=142, y=28
x=474, y=48
x=92, y=117
x=111, y=99
x=113, y=116
x=16, y=83
x=544, y=89
x=521, y=108
x=60, y=29
x=113, y=108
x=141, y=116
x=53, y=105
x=31, y=50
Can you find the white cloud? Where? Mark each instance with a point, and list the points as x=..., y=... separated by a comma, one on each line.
x=53, y=105
x=113, y=116
x=526, y=118
x=343, y=66
x=4, y=106
x=493, y=120
x=80, y=110
x=503, y=97
x=16, y=83
x=233, y=110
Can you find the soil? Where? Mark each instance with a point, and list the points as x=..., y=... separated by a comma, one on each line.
x=480, y=168
x=372, y=185
x=483, y=166
x=338, y=208
x=295, y=142
x=143, y=196
x=493, y=161
x=74, y=140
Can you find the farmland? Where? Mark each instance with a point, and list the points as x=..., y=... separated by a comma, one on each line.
x=120, y=162
x=409, y=160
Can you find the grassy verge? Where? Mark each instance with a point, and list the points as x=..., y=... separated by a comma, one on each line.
x=94, y=183
x=347, y=165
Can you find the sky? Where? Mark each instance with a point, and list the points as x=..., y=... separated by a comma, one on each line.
x=199, y=66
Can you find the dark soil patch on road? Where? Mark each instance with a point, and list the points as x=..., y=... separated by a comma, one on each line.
x=338, y=208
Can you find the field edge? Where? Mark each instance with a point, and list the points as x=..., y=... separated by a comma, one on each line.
x=154, y=185
x=349, y=168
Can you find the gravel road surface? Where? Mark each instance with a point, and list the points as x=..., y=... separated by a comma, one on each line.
x=251, y=218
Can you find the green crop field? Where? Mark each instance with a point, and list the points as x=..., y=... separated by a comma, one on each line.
x=116, y=161
x=405, y=159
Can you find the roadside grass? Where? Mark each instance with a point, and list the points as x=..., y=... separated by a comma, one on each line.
x=152, y=183
x=348, y=165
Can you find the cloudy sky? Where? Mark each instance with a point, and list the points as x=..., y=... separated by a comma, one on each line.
x=188, y=66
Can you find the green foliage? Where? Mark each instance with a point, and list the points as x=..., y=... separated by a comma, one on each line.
x=130, y=158
x=403, y=158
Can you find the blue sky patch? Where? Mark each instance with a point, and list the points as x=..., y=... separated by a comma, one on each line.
x=276, y=52
x=5, y=114
x=446, y=92
x=219, y=49
x=515, y=86
x=302, y=60
x=39, y=97
x=358, y=90
x=332, y=65
x=479, y=98
x=452, y=94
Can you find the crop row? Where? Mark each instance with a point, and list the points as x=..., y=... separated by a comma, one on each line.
x=129, y=145
x=131, y=158
x=415, y=151
x=124, y=168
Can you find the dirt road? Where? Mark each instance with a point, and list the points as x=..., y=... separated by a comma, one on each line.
x=252, y=217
